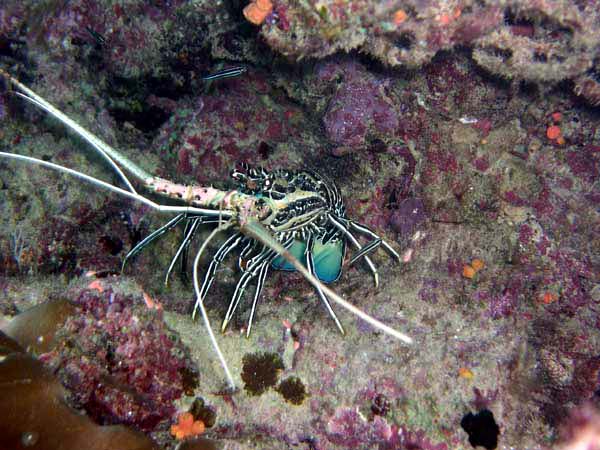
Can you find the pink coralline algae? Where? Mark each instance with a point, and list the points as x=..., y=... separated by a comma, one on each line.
x=360, y=109
x=514, y=198
x=572, y=273
x=73, y=246
x=131, y=31
x=402, y=185
x=585, y=163
x=120, y=361
x=503, y=304
x=236, y=123
x=416, y=440
x=349, y=428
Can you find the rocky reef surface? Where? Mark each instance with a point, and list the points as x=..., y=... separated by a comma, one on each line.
x=466, y=133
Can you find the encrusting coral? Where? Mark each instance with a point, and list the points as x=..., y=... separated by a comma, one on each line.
x=543, y=42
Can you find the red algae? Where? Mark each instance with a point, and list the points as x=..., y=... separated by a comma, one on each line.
x=359, y=108
x=120, y=361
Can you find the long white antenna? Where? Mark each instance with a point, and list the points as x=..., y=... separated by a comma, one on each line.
x=200, y=303
x=118, y=190
x=109, y=153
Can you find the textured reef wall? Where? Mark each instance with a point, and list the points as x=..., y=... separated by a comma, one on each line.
x=538, y=41
x=467, y=134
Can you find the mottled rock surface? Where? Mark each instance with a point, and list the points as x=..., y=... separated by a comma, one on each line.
x=496, y=224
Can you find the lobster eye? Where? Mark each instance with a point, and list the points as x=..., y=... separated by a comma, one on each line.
x=263, y=210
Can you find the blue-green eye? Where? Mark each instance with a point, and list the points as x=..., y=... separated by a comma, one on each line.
x=298, y=249
x=328, y=259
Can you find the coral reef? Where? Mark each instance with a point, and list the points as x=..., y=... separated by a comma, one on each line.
x=121, y=361
x=543, y=42
x=588, y=86
x=487, y=189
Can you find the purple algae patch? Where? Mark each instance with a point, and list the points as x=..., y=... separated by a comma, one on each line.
x=505, y=303
x=120, y=361
x=348, y=428
x=408, y=217
x=584, y=163
x=359, y=108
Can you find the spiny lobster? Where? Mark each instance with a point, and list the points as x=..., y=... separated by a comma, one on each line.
x=285, y=220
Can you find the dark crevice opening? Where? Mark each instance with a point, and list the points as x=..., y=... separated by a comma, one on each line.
x=482, y=429
x=511, y=19
x=129, y=102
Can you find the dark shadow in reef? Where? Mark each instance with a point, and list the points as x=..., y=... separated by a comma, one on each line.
x=481, y=428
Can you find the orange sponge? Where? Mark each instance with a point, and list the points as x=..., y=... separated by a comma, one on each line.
x=257, y=11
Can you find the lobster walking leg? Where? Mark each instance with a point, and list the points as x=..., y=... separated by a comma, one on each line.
x=152, y=237
x=253, y=269
x=231, y=243
x=355, y=242
x=371, y=246
x=257, y=231
x=189, y=232
x=262, y=275
x=365, y=230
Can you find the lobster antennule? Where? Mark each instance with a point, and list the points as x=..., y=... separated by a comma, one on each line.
x=255, y=230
